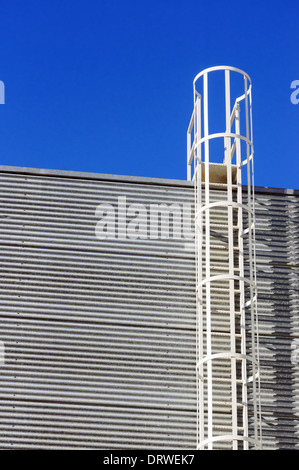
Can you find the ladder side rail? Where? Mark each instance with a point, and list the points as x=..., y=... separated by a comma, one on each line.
x=241, y=282
x=199, y=289
x=251, y=276
x=257, y=375
x=208, y=267
x=231, y=263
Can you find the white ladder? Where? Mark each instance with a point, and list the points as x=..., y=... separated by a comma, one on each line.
x=228, y=377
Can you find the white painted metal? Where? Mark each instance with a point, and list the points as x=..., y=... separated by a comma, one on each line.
x=240, y=311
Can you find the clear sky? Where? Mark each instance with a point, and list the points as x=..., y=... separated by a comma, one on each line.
x=106, y=85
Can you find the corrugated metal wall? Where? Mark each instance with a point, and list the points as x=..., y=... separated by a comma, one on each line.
x=100, y=335
x=278, y=268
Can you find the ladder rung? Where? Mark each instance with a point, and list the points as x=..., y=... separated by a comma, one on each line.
x=235, y=227
x=220, y=185
x=220, y=427
x=224, y=334
x=229, y=381
x=222, y=312
x=223, y=380
x=221, y=247
x=220, y=292
x=221, y=268
x=227, y=404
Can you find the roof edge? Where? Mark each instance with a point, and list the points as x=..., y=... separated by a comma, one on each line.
x=93, y=176
x=127, y=179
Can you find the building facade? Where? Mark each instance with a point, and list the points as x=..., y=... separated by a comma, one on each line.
x=99, y=332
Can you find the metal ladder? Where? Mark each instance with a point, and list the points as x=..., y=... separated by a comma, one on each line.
x=227, y=365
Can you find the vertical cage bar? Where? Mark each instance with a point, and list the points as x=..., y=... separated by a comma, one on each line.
x=259, y=415
x=231, y=262
x=188, y=156
x=199, y=232
x=241, y=270
x=207, y=243
x=252, y=301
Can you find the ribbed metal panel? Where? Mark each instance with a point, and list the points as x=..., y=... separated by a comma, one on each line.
x=278, y=267
x=100, y=335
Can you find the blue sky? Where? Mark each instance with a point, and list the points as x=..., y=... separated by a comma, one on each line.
x=106, y=86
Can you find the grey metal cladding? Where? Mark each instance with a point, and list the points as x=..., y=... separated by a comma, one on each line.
x=100, y=335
